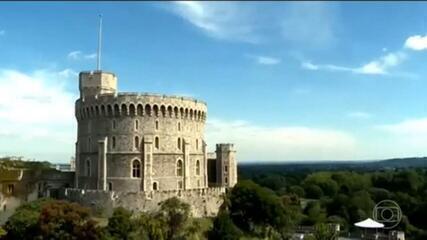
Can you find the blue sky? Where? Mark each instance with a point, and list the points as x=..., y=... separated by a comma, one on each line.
x=283, y=80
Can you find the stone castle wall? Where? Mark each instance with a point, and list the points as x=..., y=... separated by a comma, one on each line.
x=203, y=202
x=174, y=126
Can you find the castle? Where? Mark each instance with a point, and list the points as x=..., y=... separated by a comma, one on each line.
x=135, y=150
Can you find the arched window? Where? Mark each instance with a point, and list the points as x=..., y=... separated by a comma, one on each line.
x=226, y=180
x=157, y=125
x=139, y=110
x=109, y=110
x=136, y=124
x=148, y=110
x=154, y=185
x=163, y=110
x=124, y=109
x=116, y=110
x=110, y=186
x=179, y=143
x=132, y=110
x=113, y=142
x=179, y=168
x=156, y=142
x=136, y=142
x=197, y=167
x=225, y=168
x=136, y=168
x=156, y=110
x=88, y=172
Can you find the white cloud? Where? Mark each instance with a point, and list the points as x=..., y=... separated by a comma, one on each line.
x=264, y=60
x=268, y=60
x=280, y=143
x=222, y=20
x=37, y=113
x=77, y=55
x=310, y=23
x=410, y=127
x=74, y=55
x=90, y=56
x=359, y=115
x=416, y=42
x=309, y=66
x=379, y=66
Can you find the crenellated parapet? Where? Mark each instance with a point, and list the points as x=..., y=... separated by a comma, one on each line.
x=140, y=104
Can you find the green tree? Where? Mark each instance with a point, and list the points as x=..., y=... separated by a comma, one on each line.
x=23, y=223
x=2, y=232
x=313, y=191
x=175, y=215
x=324, y=232
x=64, y=220
x=224, y=228
x=298, y=190
x=120, y=225
x=315, y=213
x=149, y=227
x=253, y=207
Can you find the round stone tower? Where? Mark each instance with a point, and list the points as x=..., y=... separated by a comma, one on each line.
x=136, y=141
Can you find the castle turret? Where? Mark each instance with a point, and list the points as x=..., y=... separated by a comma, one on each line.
x=226, y=167
x=97, y=83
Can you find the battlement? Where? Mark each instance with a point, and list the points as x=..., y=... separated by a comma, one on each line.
x=140, y=104
x=225, y=147
x=96, y=83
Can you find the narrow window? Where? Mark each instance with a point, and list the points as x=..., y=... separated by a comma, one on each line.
x=179, y=126
x=197, y=167
x=88, y=173
x=113, y=142
x=114, y=124
x=197, y=144
x=225, y=168
x=179, y=168
x=180, y=185
x=136, y=169
x=157, y=125
x=89, y=144
x=156, y=142
x=10, y=188
x=136, y=124
x=179, y=143
x=110, y=186
x=226, y=180
x=136, y=142
x=154, y=185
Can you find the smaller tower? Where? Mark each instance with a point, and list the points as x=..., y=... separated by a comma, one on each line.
x=96, y=83
x=226, y=167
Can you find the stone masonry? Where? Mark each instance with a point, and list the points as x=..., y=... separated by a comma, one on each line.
x=147, y=146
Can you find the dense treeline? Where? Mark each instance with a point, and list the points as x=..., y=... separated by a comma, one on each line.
x=21, y=163
x=346, y=197
x=263, y=205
